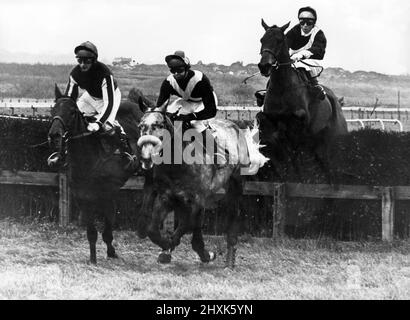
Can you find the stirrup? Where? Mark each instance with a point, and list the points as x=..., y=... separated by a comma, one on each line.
x=321, y=95
x=260, y=97
x=318, y=92
x=130, y=156
x=132, y=163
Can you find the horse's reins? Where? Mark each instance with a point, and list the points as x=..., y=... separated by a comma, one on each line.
x=164, y=114
x=251, y=76
x=65, y=135
x=277, y=64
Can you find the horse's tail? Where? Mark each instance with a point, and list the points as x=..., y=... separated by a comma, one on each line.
x=337, y=113
x=256, y=158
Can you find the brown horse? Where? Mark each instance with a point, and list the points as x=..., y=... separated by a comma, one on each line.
x=95, y=171
x=290, y=112
x=187, y=187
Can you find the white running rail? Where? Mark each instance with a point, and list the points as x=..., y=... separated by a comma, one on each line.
x=381, y=121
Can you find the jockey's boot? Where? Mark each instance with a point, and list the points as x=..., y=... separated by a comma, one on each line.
x=220, y=154
x=260, y=97
x=316, y=89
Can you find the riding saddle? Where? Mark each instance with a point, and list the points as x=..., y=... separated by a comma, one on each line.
x=316, y=91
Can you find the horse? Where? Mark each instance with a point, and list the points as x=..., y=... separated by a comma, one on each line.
x=291, y=117
x=95, y=170
x=187, y=187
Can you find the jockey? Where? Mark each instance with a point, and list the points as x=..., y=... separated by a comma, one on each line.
x=102, y=97
x=308, y=42
x=197, y=100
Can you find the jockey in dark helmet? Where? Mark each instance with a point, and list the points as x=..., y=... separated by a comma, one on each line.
x=197, y=101
x=306, y=42
x=102, y=97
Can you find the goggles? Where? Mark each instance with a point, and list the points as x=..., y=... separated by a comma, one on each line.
x=307, y=21
x=85, y=60
x=177, y=70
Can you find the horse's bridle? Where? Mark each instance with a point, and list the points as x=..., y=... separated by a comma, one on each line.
x=55, y=156
x=61, y=121
x=65, y=134
x=65, y=138
x=164, y=114
x=277, y=64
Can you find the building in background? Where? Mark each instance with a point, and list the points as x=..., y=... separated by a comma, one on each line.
x=126, y=63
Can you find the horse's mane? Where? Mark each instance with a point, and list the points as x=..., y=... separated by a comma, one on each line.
x=135, y=95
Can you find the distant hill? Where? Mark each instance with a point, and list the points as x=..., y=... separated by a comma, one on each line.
x=30, y=58
x=359, y=87
x=364, y=87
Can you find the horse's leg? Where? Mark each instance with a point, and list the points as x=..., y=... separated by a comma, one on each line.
x=324, y=166
x=92, y=235
x=146, y=207
x=109, y=219
x=295, y=160
x=158, y=211
x=233, y=194
x=290, y=153
x=197, y=241
x=183, y=214
x=321, y=155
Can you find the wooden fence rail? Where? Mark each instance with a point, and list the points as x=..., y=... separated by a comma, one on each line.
x=279, y=191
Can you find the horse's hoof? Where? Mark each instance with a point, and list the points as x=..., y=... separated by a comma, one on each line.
x=112, y=255
x=212, y=256
x=208, y=257
x=164, y=257
x=142, y=234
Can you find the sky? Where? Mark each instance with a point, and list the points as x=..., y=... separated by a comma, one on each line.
x=368, y=35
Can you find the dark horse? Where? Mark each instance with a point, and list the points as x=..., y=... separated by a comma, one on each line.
x=289, y=111
x=95, y=171
x=187, y=188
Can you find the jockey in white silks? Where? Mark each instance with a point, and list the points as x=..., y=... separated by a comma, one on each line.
x=102, y=97
x=311, y=65
x=187, y=104
x=307, y=42
x=196, y=102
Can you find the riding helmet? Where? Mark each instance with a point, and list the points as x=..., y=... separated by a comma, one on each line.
x=87, y=46
x=178, y=59
x=309, y=9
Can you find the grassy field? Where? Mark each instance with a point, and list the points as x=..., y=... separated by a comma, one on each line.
x=359, y=87
x=42, y=261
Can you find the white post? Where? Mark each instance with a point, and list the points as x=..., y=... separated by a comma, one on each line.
x=387, y=213
x=64, y=200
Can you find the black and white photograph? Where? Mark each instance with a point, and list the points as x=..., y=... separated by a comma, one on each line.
x=204, y=156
